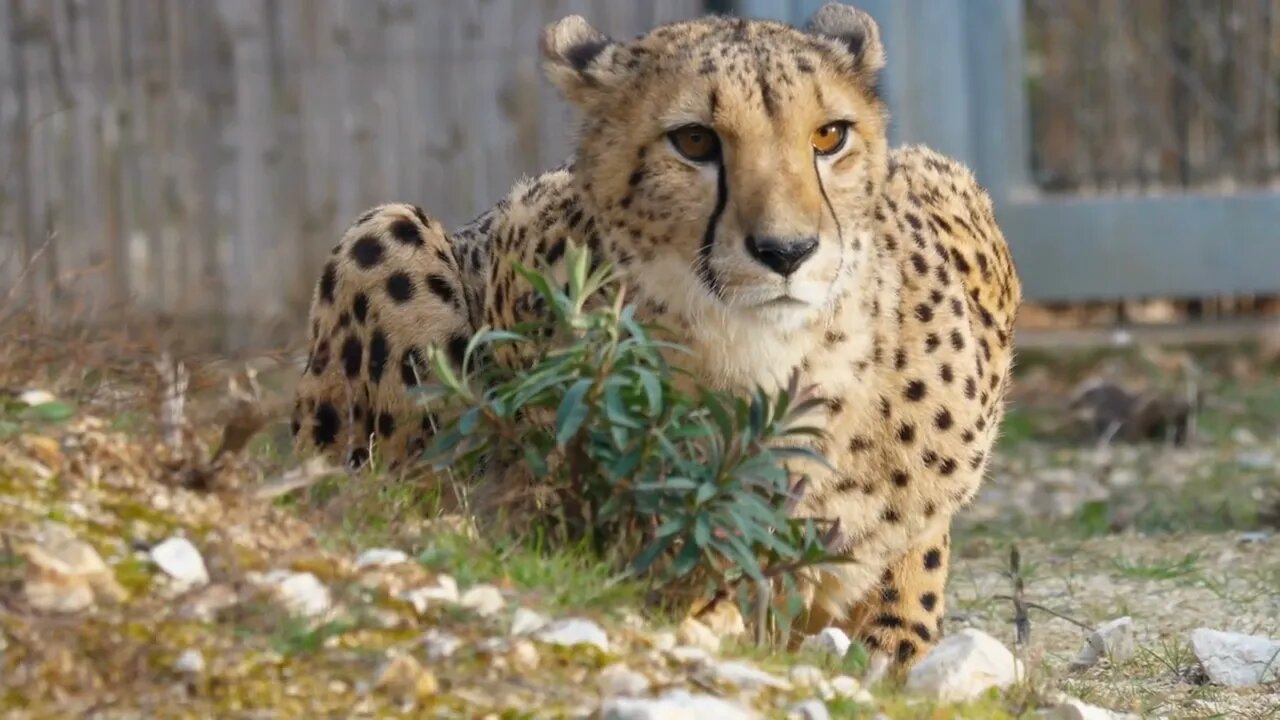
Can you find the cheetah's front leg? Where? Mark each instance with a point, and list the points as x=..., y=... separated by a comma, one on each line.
x=901, y=619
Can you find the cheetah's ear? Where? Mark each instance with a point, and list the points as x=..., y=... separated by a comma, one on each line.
x=856, y=31
x=576, y=57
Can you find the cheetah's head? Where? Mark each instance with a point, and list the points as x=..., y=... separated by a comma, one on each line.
x=739, y=159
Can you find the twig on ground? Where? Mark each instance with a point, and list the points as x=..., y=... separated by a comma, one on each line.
x=1037, y=606
x=1021, y=621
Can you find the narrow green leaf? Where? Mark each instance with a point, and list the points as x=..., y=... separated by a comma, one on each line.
x=652, y=389
x=702, y=530
x=646, y=558
x=572, y=412
x=53, y=411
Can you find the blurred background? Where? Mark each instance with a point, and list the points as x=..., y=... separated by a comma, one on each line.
x=191, y=161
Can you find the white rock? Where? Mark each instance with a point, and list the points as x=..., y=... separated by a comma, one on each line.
x=301, y=592
x=1073, y=709
x=493, y=645
x=1236, y=659
x=380, y=557
x=618, y=680
x=526, y=621
x=190, y=662
x=688, y=654
x=1255, y=459
x=35, y=398
x=1253, y=537
x=844, y=686
x=807, y=676
x=746, y=676
x=1112, y=640
x=524, y=655
x=485, y=600
x=809, y=710
x=180, y=560
x=693, y=632
x=963, y=666
x=663, y=641
x=1243, y=436
x=64, y=574
x=831, y=640
x=440, y=645
x=675, y=705
x=445, y=590
x=572, y=632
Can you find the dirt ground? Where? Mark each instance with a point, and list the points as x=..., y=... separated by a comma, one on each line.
x=1175, y=536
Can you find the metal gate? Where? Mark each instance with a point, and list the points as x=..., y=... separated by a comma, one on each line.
x=957, y=79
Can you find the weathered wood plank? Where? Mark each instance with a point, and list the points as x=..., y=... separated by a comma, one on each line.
x=201, y=157
x=1111, y=247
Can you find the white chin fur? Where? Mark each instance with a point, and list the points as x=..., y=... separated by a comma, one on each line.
x=785, y=316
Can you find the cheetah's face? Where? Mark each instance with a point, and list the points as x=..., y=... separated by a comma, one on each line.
x=735, y=155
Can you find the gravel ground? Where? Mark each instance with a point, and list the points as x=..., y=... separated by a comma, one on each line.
x=140, y=578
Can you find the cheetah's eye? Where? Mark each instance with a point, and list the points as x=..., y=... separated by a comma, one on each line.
x=828, y=139
x=697, y=143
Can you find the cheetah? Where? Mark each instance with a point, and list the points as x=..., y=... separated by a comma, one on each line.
x=737, y=174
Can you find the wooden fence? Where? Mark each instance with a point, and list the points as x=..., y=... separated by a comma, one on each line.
x=192, y=158
x=197, y=157
x=1150, y=94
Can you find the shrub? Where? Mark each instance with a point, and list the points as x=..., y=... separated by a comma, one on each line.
x=687, y=489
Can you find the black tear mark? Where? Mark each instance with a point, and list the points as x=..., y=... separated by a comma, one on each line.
x=705, y=272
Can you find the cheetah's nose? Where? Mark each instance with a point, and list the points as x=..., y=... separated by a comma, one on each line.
x=781, y=255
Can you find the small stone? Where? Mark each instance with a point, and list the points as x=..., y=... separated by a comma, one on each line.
x=485, y=600
x=190, y=662
x=674, y=705
x=205, y=604
x=1073, y=709
x=618, y=680
x=180, y=560
x=1253, y=537
x=380, y=557
x=1112, y=640
x=524, y=655
x=1243, y=436
x=300, y=592
x=34, y=398
x=688, y=655
x=632, y=620
x=65, y=574
x=445, y=590
x=492, y=646
x=440, y=645
x=526, y=621
x=404, y=677
x=844, y=686
x=572, y=632
x=807, y=676
x=745, y=676
x=693, y=632
x=662, y=641
x=831, y=640
x=963, y=666
x=809, y=710
x=1255, y=459
x=1236, y=659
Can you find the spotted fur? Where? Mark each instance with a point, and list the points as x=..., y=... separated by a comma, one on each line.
x=901, y=313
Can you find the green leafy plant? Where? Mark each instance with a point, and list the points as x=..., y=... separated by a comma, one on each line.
x=687, y=488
